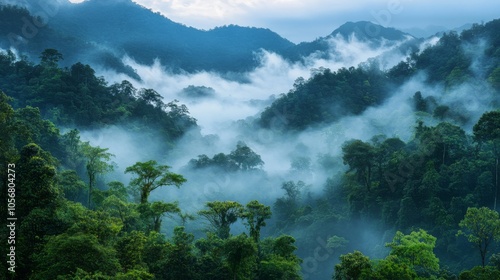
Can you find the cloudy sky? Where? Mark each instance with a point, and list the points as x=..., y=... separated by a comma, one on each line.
x=299, y=20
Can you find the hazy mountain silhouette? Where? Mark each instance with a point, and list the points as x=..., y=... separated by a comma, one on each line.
x=103, y=31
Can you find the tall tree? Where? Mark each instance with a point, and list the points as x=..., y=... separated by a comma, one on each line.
x=352, y=266
x=359, y=156
x=256, y=215
x=50, y=58
x=150, y=176
x=221, y=214
x=158, y=209
x=481, y=226
x=241, y=256
x=97, y=163
x=487, y=129
x=180, y=261
x=415, y=249
x=245, y=158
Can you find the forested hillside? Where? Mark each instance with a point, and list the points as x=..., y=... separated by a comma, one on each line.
x=73, y=224
x=358, y=172
x=453, y=61
x=102, y=32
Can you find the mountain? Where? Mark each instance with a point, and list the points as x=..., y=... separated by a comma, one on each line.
x=373, y=34
x=103, y=31
x=368, y=31
x=138, y=32
x=328, y=96
x=22, y=31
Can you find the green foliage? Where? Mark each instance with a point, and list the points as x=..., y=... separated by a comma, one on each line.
x=335, y=242
x=325, y=97
x=353, y=266
x=74, y=96
x=64, y=253
x=71, y=185
x=240, y=254
x=480, y=273
x=391, y=269
x=256, y=215
x=287, y=206
x=220, y=215
x=415, y=249
x=152, y=213
x=481, y=226
x=97, y=163
x=245, y=158
x=279, y=268
x=494, y=78
x=277, y=259
x=130, y=249
x=151, y=176
x=488, y=127
x=82, y=220
x=431, y=181
x=359, y=156
x=242, y=158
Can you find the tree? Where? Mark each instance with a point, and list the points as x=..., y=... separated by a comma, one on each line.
x=50, y=58
x=36, y=175
x=494, y=78
x=359, y=156
x=158, y=209
x=336, y=242
x=240, y=254
x=286, y=207
x=130, y=249
x=150, y=96
x=256, y=215
x=481, y=226
x=487, y=129
x=278, y=268
x=7, y=150
x=121, y=209
x=150, y=176
x=415, y=249
x=221, y=214
x=72, y=147
x=278, y=260
x=480, y=273
x=245, y=158
x=79, y=219
x=97, y=163
x=352, y=266
x=452, y=138
x=391, y=268
x=180, y=260
x=72, y=186
x=64, y=253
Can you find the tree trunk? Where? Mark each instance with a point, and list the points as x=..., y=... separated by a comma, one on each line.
x=144, y=196
x=483, y=256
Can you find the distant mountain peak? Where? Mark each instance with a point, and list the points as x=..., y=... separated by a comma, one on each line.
x=369, y=31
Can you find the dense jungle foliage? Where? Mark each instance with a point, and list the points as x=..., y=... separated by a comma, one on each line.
x=434, y=197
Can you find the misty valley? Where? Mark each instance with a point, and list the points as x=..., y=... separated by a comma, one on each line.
x=135, y=147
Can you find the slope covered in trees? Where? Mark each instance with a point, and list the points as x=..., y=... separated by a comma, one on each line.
x=75, y=96
x=102, y=32
x=115, y=234
x=417, y=208
x=325, y=97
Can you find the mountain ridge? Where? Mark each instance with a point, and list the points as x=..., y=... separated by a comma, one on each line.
x=126, y=28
